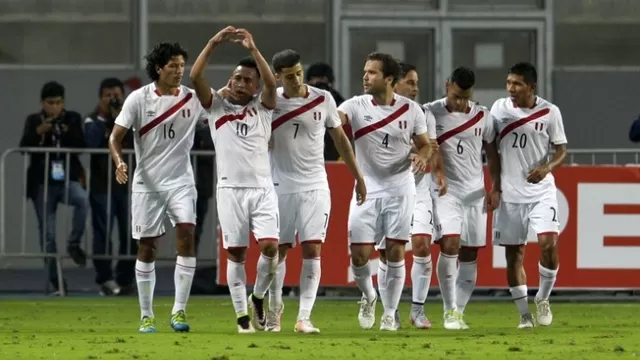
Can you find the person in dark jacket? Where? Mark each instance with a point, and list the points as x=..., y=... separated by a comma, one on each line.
x=107, y=207
x=634, y=132
x=56, y=127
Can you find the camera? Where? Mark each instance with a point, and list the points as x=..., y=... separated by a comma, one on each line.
x=115, y=103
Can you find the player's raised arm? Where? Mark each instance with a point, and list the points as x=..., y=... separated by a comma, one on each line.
x=268, y=96
x=197, y=75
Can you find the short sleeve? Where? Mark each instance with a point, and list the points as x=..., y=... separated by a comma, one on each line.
x=348, y=109
x=216, y=102
x=332, y=120
x=556, y=127
x=130, y=111
x=431, y=124
x=489, y=134
x=420, y=121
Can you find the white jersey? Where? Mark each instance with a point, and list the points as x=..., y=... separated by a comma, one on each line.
x=382, y=136
x=298, y=126
x=241, y=138
x=164, y=129
x=525, y=136
x=422, y=179
x=461, y=136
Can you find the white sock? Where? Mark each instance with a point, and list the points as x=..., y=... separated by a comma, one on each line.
x=265, y=273
x=183, y=278
x=465, y=283
x=520, y=297
x=382, y=283
x=421, y=271
x=309, y=282
x=275, y=290
x=146, y=279
x=396, y=275
x=237, y=281
x=547, y=280
x=446, y=270
x=364, y=280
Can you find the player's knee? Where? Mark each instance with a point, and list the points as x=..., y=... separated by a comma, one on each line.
x=395, y=250
x=147, y=249
x=269, y=248
x=421, y=246
x=548, y=243
x=283, y=249
x=468, y=254
x=311, y=250
x=449, y=245
x=360, y=254
x=514, y=255
x=237, y=255
x=185, y=243
x=383, y=255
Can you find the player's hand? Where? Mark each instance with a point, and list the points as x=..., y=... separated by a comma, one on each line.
x=226, y=92
x=536, y=175
x=441, y=182
x=246, y=39
x=493, y=199
x=45, y=127
x=419, y=164
x=361, y=191
x=121, y=173
x=434, y=146
x=227, y=34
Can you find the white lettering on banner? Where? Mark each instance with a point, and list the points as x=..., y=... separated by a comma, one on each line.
x=499, y=261
x=594, y=225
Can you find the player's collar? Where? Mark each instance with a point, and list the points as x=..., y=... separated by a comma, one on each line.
x=155, y=90
x=466, y=111
x=306, y=94
x=535, y=103
x=393, y=101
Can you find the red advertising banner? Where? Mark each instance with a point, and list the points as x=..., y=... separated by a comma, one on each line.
x=599, y=246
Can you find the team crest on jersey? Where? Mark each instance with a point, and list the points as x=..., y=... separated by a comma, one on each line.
x=368, y=118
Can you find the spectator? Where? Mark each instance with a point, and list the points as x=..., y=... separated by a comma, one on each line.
x=634, y=132
x=55, y=127
x=97, y=127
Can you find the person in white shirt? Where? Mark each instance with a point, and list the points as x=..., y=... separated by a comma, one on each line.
x=163, y=116
x=383, y=125
x=464, y=129
x=527, y=126
x=240, y=124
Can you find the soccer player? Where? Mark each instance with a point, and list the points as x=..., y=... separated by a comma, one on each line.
x=464, y=128
x=422, y=267
x=241, y=128
x=297, y=162
x=384, y=125
x=163, y=115
x=526, y=125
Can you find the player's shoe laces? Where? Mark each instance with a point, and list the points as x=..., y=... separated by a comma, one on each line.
x=147, y=325
x=463, y=324
x=273, y=320
x=451, y=320
x=397, y=319
x=419, y=319
x=258, y=319
x=367, y=313
x=179, y=322
x=388, y=323
x=526, y=322
x=544, y=316
x=244, y=325
x=306, y=327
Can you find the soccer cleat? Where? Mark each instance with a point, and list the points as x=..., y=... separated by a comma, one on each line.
x=367, y=313
x=306, y=327
x=388, y=323
x=273, y=320
x=419, y=319
x=463, y=324
x=526, y=322
x=179, y=322
x=109, y=288
x=258, y=319
x=397, y=319
x=451, y=320
x=544, y=316
x=147, y=325
x=244, y=325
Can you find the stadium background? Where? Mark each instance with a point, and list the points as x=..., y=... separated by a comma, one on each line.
x=584, y=50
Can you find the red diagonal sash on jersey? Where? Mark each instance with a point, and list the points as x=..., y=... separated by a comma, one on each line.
x=296, y=112
x=382, y=123
x=172, y=110
x=458, y=129
x=516, y=124
x=230, y=117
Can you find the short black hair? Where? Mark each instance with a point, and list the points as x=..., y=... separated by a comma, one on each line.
x=526, y=70
x=320, y=69
x=390, y=66
x=463, y=77
x=52, y=89
x=110, y=83
x=249, y=62
x=405, y=69
x=161, y=55
x=285, y=59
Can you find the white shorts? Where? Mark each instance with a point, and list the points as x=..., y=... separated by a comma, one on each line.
x=380, y=218
x=511, y=221
x=454, y=218
x=306, y=214
x=245, y=210
x=423, y=215
x=150, y=209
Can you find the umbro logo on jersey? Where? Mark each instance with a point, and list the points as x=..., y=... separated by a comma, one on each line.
x=151, y=113
x=439, y=127
x=504, y=121
x=368, y=118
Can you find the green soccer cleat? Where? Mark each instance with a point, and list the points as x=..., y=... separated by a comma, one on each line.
x=179, y=322
x=147, y=325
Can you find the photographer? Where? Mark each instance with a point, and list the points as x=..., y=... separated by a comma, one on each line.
x=55, y=127
x=98, y=127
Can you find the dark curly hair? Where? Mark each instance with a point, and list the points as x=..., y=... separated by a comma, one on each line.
x=161, y=55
